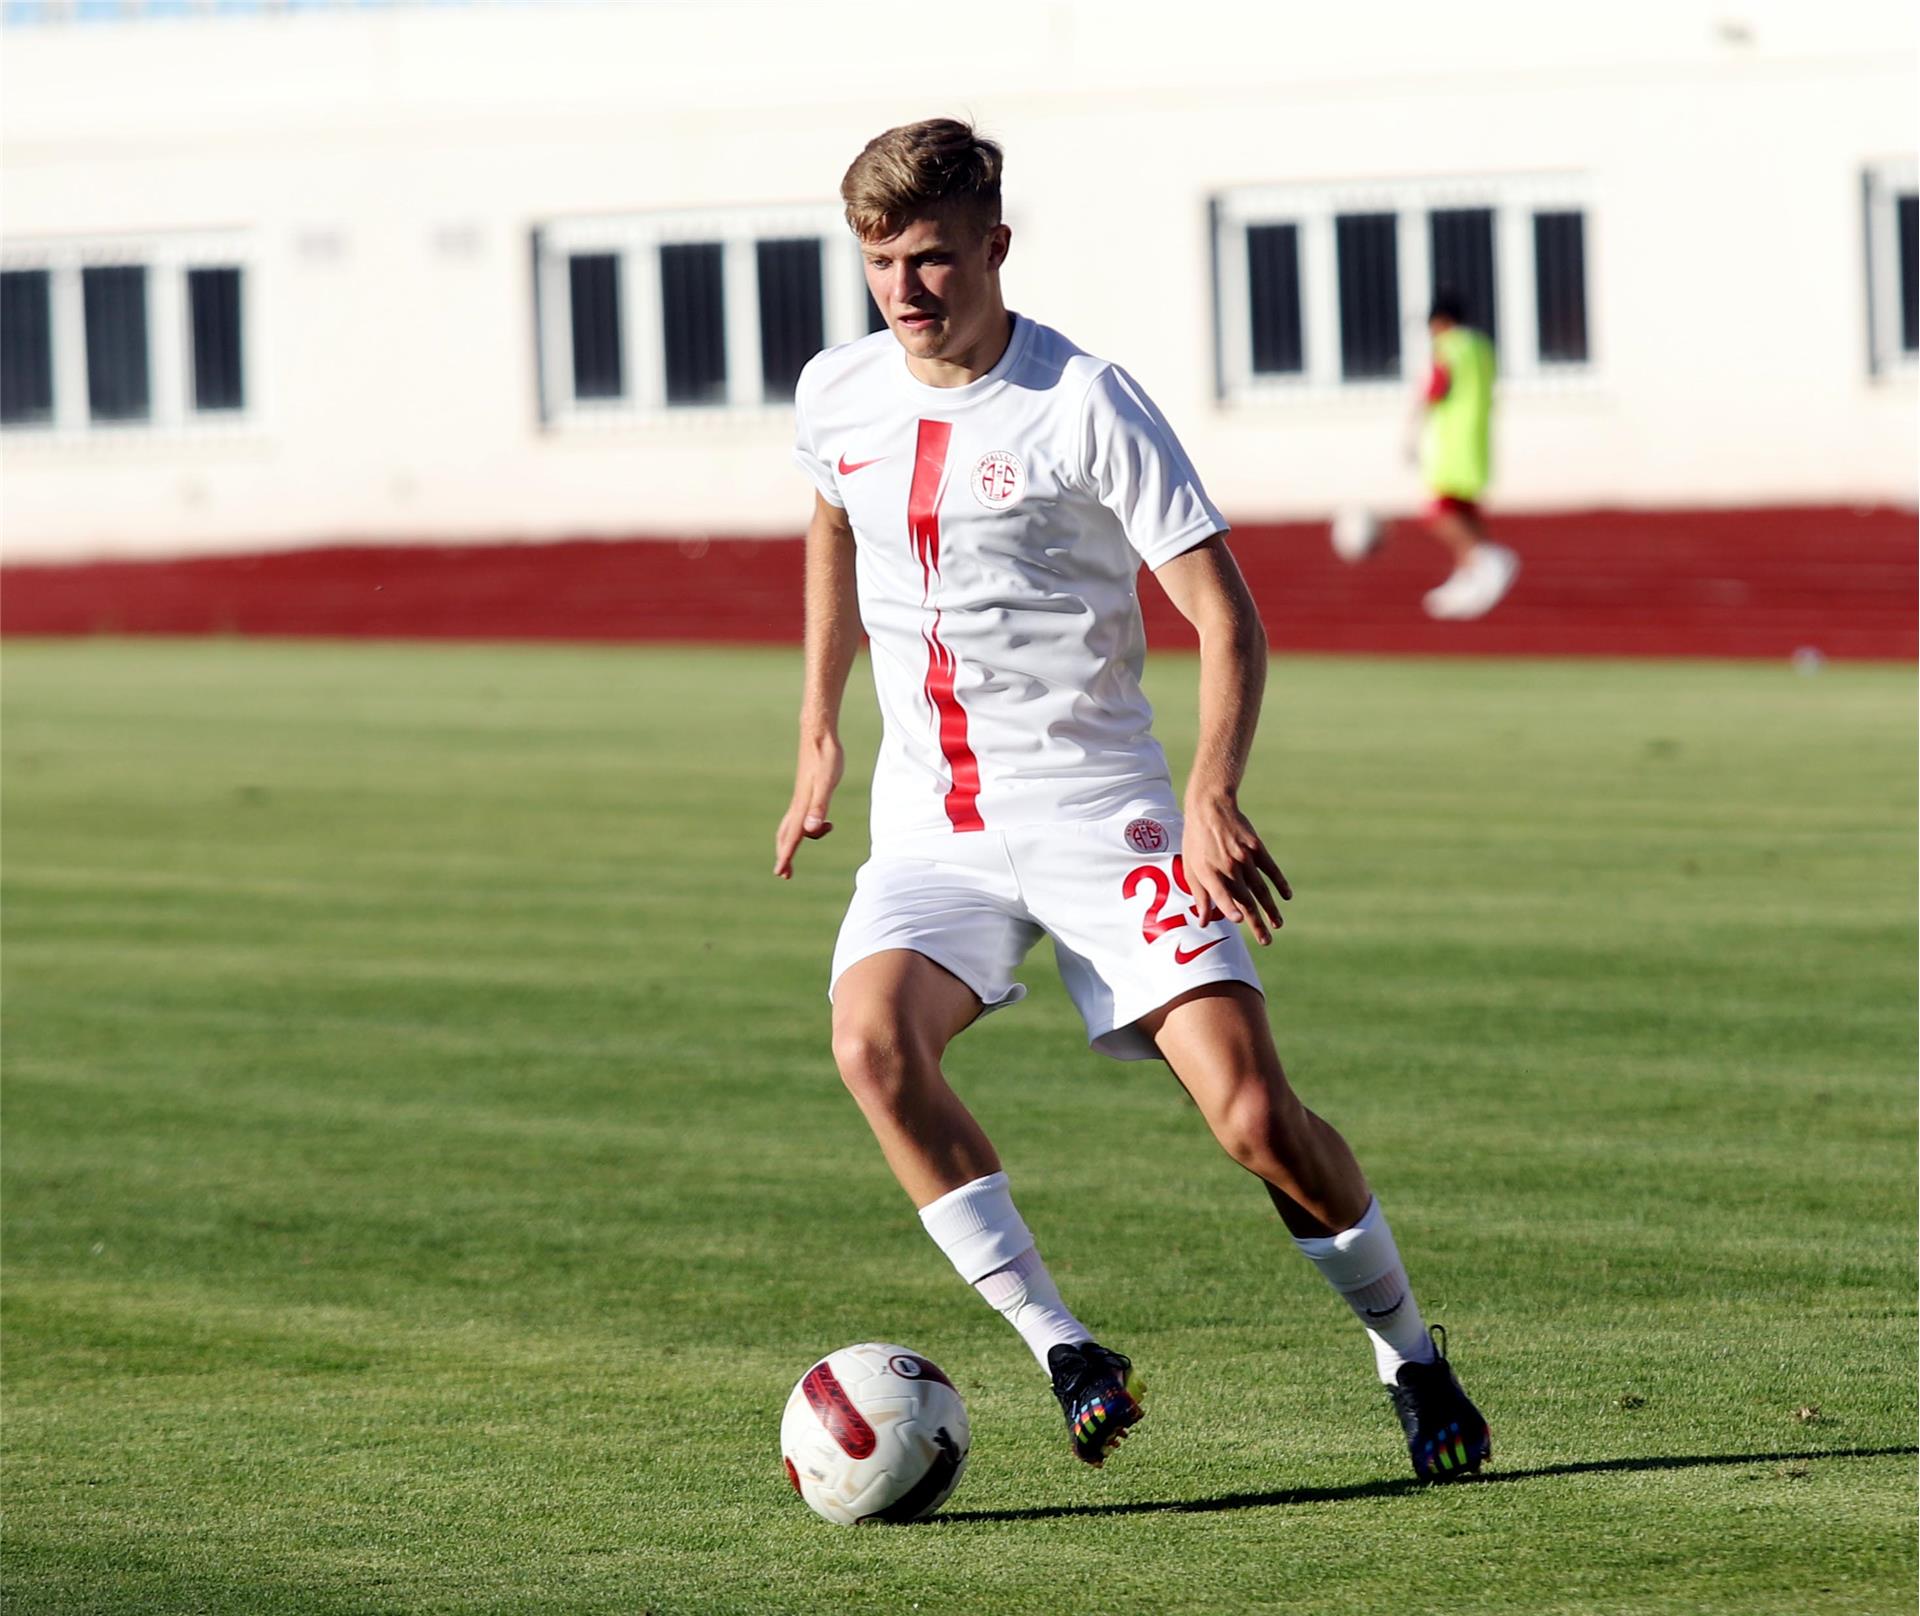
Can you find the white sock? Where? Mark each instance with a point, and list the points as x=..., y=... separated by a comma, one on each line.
x=1028, y=1299
x=1363, y=1265
x=988, y=1243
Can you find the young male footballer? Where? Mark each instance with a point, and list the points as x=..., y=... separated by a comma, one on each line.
x=985, y=494
x=1455, y=459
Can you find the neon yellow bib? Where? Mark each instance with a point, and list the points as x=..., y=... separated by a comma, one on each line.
x=1455, y=449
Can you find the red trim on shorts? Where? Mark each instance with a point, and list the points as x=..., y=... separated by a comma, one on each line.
x=923, y=530
x=1449, y=505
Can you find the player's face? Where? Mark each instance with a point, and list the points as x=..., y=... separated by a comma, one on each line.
x=938, y=283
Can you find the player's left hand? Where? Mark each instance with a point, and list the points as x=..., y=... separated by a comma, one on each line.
x=1229, y=868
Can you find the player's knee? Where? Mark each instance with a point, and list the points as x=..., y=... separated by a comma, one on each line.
x=1257, y=1127
x=873, y=1059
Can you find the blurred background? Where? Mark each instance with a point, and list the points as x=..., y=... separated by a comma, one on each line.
x=439, y=319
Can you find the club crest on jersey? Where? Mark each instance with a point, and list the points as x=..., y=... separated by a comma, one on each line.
x=999, y=479
x=1146, y=836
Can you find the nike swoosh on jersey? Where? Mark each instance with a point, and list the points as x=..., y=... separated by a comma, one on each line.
x=1185, y=956
x=849, y=467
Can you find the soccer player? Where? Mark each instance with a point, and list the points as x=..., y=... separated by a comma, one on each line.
x=1455, y=458
x=985, y=494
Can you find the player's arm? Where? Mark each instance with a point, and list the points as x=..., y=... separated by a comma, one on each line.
x=1226, y=863
x=832, y=639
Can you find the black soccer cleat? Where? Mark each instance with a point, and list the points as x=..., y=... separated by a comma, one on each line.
x=1447, y=1437
x=1097, y=1391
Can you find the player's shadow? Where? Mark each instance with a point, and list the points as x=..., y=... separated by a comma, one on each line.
x=1389, y=1489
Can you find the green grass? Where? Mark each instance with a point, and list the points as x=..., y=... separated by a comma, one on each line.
x=425, y=1174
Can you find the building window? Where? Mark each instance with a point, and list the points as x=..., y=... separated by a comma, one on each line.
x=1893, y=266
x=119, y=336
x=1273, y=299
x=1367, y=251
x=693, y=322
x=116, y=305
x=792, y=310
x=676, y=314
x=1326, y=287
x=214, y=329
x=1908, y=219
x=1560, y=286
x=26, y=347
x=1460, y=252
x=593, y=301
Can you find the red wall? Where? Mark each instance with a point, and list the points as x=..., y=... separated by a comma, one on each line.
x=1751, y=583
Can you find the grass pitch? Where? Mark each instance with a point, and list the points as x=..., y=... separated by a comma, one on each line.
x=425, y=1175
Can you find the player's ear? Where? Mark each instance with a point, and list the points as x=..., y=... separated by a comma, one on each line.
x=999, y=238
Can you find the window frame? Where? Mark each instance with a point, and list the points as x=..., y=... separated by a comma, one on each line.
x=635, y=239
x=1313, y=207
x=166, y=258
x=1882, y=185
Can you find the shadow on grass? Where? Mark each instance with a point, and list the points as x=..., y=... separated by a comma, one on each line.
x=1391, y=1489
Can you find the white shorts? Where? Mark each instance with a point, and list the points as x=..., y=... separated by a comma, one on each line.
x=1110, y=892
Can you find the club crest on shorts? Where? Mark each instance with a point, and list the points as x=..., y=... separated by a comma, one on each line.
x=999, y=479
x=1147, y=836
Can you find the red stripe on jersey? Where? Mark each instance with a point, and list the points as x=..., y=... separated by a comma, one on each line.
x=923, y=528
x=923, y=499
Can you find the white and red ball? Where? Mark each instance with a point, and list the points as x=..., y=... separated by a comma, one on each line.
x=874, y=1433
x=1355, y=534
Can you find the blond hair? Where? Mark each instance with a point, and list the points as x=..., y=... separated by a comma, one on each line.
x=918, y=168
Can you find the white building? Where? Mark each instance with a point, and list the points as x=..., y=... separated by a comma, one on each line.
x=523, y=271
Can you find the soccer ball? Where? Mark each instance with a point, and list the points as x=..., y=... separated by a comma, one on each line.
x=1355, y=534
x=873, y=1433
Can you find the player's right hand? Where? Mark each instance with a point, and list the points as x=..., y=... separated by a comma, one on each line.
x=814, y=778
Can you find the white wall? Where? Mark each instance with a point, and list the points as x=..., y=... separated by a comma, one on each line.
x=386, y=172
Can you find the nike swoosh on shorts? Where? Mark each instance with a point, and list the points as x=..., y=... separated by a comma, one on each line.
x=849, y=467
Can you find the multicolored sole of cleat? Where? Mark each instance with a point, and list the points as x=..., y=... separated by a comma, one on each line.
x=1101, y=1429
x=1455, y=1456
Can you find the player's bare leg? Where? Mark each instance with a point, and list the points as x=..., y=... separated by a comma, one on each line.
x=1483, y=571
x=1459, y=532
x=894, y=1013
x=1220, y=1046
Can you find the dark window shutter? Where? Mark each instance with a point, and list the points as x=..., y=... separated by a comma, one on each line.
x=1367, y=245
x=1273, y=299
x=1907, y=215
x=1560, y=286
x=115, y=302
x=1460, y=253
x=213, y=317
x=694, y=322
x=792, y=313
x=26, y=347
x=593, y=289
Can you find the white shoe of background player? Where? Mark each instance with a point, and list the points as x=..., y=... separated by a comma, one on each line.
x=1478, y=584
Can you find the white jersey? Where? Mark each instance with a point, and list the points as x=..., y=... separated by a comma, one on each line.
x=999, y=529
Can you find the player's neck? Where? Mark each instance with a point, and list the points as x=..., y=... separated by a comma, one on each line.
x=970, y=363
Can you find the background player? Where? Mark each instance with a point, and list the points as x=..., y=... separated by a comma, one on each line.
x=985, y=495
x=1456, y=460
